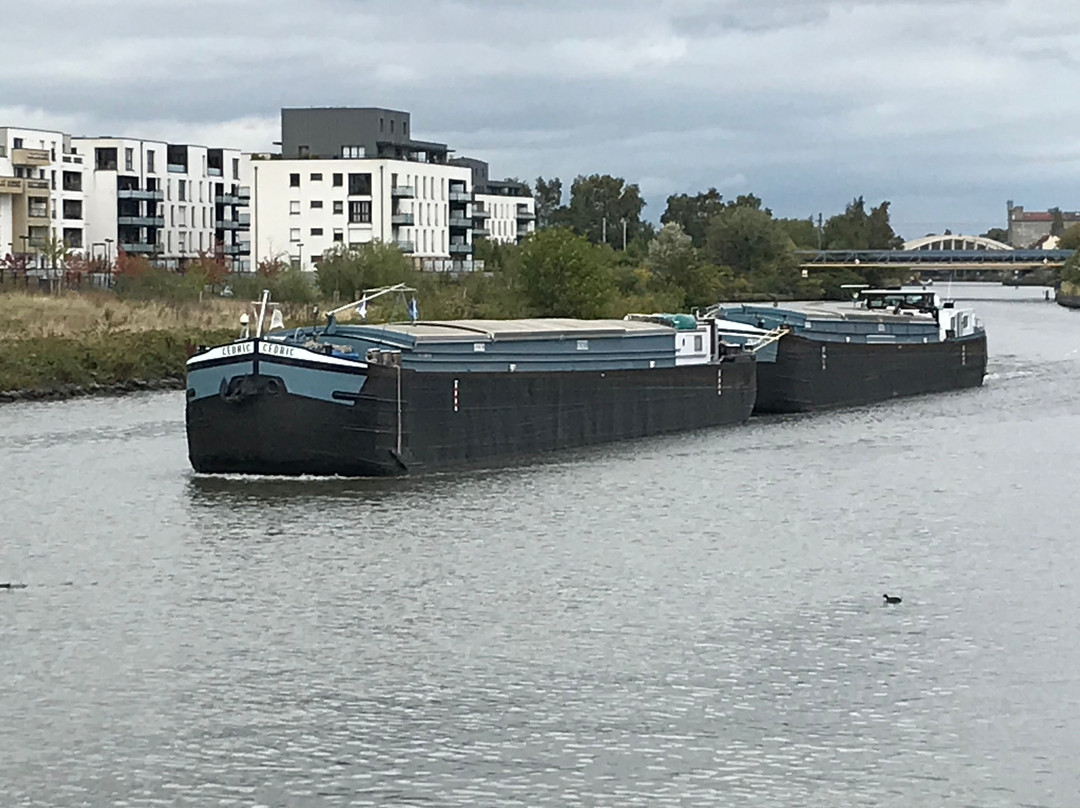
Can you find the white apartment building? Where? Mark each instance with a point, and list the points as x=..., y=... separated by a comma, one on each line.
x=502, y=217
x=302, y=207
x=165, y=201
x=41, y=191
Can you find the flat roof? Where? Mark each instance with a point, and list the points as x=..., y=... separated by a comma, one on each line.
x=530, y=328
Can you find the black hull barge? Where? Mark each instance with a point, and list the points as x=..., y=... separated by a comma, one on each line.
x=390, y=400
x=886, y=344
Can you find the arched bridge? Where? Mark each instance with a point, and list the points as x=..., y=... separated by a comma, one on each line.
x=950, y=241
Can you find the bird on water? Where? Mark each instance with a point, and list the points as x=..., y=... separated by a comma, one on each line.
x=892, y=599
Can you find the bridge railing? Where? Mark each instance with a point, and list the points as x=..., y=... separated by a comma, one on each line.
x=935, y=257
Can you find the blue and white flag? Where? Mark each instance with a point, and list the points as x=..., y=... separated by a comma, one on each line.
x=414, y=310
x=362, y=309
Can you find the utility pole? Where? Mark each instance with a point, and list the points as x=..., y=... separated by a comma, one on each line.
x=624, y=235
x=603, y=230
x=819, y=231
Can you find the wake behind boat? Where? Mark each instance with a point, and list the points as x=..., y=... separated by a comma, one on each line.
x=419, y=395
x=884, y=344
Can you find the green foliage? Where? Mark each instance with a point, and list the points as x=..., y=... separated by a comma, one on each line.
x=345, y=272
x=105, y=358
x=997, y=234
x=1057, y=224
x=291, y=285
x=802, y=232
x=137, y=279
x=563, y=275
x=1070, y=273
x=692, y=213
x=599, y=206
x=855, y=229
x=1070, y=239
x=748, y=240
x=548, y=202
x=673, y=257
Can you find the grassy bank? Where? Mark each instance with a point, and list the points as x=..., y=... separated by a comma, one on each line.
x=71, y=344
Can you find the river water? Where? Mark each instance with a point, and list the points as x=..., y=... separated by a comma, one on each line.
x=694, y=620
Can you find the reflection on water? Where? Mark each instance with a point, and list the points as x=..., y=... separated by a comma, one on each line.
x=689, y=620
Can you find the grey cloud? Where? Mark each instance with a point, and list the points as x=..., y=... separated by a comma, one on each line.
x=936, y=105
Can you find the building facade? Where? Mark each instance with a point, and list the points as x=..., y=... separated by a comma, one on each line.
x=41, y=192
x=1029, y=228
x=355, y=175
x=168, y=202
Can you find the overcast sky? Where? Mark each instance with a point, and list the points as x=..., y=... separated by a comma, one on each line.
x=947, y=109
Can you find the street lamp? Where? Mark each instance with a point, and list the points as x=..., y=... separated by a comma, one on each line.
x=108, y=252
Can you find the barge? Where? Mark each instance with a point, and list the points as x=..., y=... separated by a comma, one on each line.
x=884, y=344
x=379, y=400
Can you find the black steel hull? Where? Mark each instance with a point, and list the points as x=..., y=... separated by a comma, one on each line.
x=812, y=375
x=439, y=420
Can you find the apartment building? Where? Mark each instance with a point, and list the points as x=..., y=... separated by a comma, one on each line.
x=168, y=202
x=354, y=175
x=41, y=191
x=503, y=210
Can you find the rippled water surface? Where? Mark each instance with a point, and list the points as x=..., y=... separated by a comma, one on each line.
x=683, y=621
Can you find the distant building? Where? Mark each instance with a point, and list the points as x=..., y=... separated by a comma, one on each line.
x=503, y=210
x=168, y=202
x=355, y=175
x=1031, y=228
x=41, y=191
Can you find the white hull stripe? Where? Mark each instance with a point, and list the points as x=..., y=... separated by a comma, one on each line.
x=245, y=351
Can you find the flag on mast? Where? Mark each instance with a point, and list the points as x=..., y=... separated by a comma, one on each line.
x=414, y=310
x=362, y=308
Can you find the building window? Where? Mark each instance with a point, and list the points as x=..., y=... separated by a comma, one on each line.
x=360, y=213
x=72, y=181
x=339, y=235
x=337, y=180
x=182, y=190
x=294, y=180
x=353, y=152
x=104, y=158
x=339, y=206
x=316, y=177
x=150, y=162
x=316, y=203
x=236, y=168
x=359, y=185
x=316, y=231
x=129, y=159
x=294, y=234
x=183, y=216
x=16, y=143
x=294, y=207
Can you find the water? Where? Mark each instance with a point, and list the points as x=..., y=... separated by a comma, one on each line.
x=684, y=621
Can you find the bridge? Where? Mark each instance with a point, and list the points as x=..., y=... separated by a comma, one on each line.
x=983, y=260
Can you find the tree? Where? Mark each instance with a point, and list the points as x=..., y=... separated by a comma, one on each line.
x=1057, y=225
x=803, y=232
x=563, y=275
x=347, y=271
x=747, y=239
x=672, y=256
x=855, y=229
x=997, y=234
x=1070, y=239
x=605, y=209
x=692, y=213
x=548, y=202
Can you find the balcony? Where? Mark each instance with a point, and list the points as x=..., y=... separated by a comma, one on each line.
x=406, y=246
x=40, y=185
x=213, y=172
x=228, y=224
x=241, y=248
x=73, y=158
x=460, y=248
x=459, y=222
x=403, y=219
x=228, y=199
x=403, y=192
x=525, y=215
x=480, y=232
x=11, y=185
x=30, y=157
x=177, y=168
x=459, y=196
x=137, y=247
x=523, y=230
x=480, y=213
x=244, y=194
x=141, y=221
x=155, y=196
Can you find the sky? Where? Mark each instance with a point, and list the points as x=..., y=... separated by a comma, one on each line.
x=944, y=108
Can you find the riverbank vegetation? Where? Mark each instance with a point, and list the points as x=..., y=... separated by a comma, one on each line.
x=592, y=256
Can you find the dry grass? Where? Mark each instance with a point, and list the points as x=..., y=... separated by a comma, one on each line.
x=25, y=315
